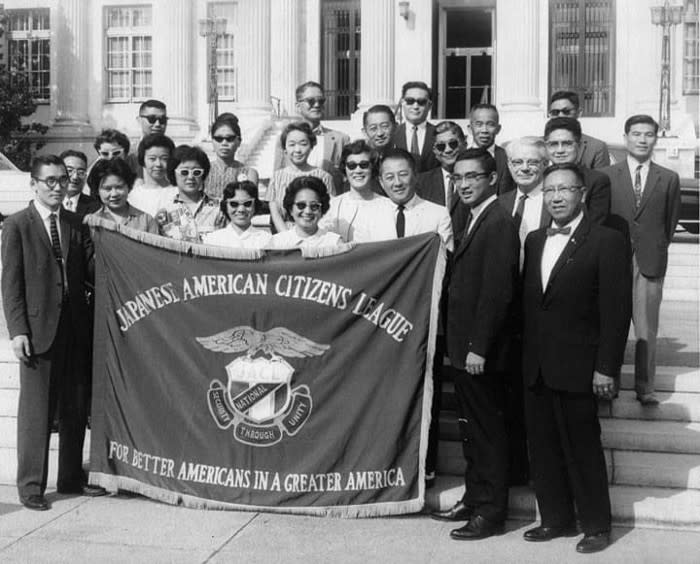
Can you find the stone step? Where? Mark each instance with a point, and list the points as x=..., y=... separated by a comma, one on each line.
x=662, y=508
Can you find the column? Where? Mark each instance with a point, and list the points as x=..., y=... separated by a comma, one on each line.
x=253, y=58
x=377, y=54
x=285, y=48
x=174, y=29
x=71, y=70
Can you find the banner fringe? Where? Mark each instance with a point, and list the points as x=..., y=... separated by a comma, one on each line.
x=115, y=483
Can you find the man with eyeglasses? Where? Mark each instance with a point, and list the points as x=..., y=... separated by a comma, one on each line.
x=76, y=168
x=647, y=196
x=562, y=139
x=593, y=153
x=576, y=314
x=152, y=118
x=416, y=135
x=484, y=123
x=480, y=307
x=46, y=261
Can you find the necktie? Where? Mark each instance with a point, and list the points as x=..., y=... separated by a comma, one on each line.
x=55, y=241
x=467, y=224
x=400, y=222
x=638, y=186
x=519, y=209
x=414, y=142
x=450, y=193
x=68, y=204
x=558, y=231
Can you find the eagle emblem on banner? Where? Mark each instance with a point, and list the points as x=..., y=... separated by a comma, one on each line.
x=258, y=400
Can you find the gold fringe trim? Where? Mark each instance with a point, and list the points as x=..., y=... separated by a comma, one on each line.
x=114, y=483
x=322, y=252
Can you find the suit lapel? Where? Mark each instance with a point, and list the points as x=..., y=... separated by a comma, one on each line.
x=65, y=236
x=536, y=262
x=545, y=218
x=624, y=180
x=652, y=182
x=329, y=141
x=38, y=225
x=427, y=142
x=467, y=239
x=577, y=239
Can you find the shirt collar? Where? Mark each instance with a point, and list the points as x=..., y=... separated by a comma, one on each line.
x=633, y=163
x=45, y=212
x=492, y=150
x=574, y=223
x=421, y=126
x=476, y=210
x=412, y=203
x=534, y=193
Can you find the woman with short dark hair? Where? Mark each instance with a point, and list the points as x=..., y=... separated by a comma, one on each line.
x=153, y=191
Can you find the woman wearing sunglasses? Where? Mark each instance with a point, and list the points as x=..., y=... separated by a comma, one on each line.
x=360, y=214
x=305, y=200
x=111, y=181
x=153, y=191
x=297, y=140
x=238, y=205
x=226, y=138
x=191, y=213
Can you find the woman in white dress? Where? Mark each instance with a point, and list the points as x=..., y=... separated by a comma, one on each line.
x=305, y=201
x=239, y=203
x=154, y=190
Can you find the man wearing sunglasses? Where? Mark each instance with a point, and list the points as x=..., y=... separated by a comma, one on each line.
x=46, y=261
x=593, y=153
x=152, y=118
x=416, y=135
x=484, y=123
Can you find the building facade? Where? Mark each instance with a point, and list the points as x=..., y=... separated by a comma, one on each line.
x=92, y=62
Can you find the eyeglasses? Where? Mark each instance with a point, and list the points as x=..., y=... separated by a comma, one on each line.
x=567, y=144
x=386, y=126
x=566, y=112
x=530, y=163
x=79, y=172
x=552, y=190
x=451, y=144
x=227, y=138
x=152, y=119
x=51, y=181
x=111, y=154
x=420, y=101
x=248, y=204
x=352, y=165
x=320, y=101
x=469, y=177
x=185, y=172
x=313, y=206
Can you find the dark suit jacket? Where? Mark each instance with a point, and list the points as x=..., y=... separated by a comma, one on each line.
x=593, y=152
x=507, y=200
x=481, y=290
x=431, y=186
x=653, y=224
x=597, y=194
x=427, y=160
x=32, y=292
x=579, y=322
x=86, y=204
x=505, y=180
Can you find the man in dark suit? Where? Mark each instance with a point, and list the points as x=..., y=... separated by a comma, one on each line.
x=484, y=123
x=46, y=260
x=562, y=139
x=480, y=300
x=416, y=135
x=576, y=313
x=648, y=197
x=76, y=167
x=379, y=126
x=593, y=153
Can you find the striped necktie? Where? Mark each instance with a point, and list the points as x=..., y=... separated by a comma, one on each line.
x=55, y=241
x=638, y=186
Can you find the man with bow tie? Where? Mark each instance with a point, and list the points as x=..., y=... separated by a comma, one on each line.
x=577, y=304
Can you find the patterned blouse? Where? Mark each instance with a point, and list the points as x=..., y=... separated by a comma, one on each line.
x=135, y=219
x=177, y=221
x=221, y=174
x=283, y=177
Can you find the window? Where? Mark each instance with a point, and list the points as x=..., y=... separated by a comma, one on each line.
x=225, y=67
x=582, y=46
x=691, y=49
x=28, y=48
x=129, y=51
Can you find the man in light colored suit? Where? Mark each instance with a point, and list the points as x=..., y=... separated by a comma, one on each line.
x=593, y=153
x=648, y=196
x=416, y=134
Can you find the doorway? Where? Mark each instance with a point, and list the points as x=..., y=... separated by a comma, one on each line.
x=466, y=61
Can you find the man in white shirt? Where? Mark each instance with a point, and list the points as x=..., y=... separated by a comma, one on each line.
x=76, y=168
x=416, y=135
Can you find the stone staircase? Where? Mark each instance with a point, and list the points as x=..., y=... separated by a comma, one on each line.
x=262, y=156
x=653, y=454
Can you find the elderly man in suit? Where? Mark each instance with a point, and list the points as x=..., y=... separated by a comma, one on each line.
x=416, y=135
x=593, y=153
x=562, y=139
x=576, y=313
x=484, y=123
x=76, y=168
x=480, y=302
x=46, y=260
x=648, y=197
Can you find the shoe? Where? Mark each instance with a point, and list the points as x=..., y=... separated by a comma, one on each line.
x=649, y=399
x=543, y=534
x=86, y=490
x=36, y=503
x=478, y=528
x=458, y=512
x=593, y=543
x=429, y=480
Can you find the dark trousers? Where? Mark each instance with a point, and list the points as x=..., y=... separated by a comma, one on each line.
x=54, y=379
x=519, y=466
x=484, y=442
x=434, y=431
x=566, y=458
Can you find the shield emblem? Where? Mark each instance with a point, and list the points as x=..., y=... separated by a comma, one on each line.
x=259, y=388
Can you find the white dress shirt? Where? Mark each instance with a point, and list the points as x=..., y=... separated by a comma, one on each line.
x=553, y=247
x=423, y=216
x=45, y=213
x=449, y=191
x=478, y=210
x=318, y=153
x=532, y=212
x=422, y=128
x=71, y=202
x=358, y=219
x=229, y=236
x=290, y=239
x=633, y=163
